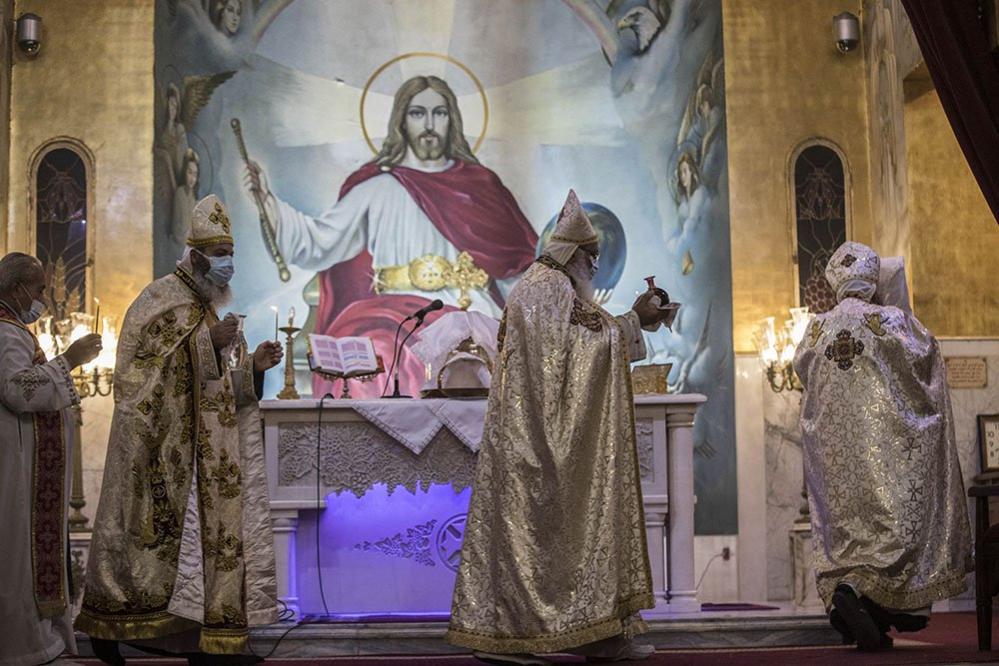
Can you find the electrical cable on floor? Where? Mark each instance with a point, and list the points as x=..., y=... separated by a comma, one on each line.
x=287, y=613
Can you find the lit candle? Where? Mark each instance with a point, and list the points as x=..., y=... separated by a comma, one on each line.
x=97, y=315
x=276, y=324
x=291, y=317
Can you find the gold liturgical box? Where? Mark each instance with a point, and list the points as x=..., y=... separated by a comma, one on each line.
x=650, y=378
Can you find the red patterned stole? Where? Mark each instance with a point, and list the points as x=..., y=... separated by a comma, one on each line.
x=48, y=519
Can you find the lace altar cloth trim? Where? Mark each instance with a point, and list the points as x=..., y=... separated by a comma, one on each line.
x=414, y=423
x=356, y=456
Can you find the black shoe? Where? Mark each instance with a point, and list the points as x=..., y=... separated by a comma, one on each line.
x=107, y=651
x=836, y=620
x=902, y=622
x=860, y=623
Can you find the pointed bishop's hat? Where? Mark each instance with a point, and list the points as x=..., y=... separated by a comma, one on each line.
x=573, y=226
x=209, y=223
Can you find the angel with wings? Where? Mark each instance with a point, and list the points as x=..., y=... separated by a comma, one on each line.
x=177, y=165
x=705, y=113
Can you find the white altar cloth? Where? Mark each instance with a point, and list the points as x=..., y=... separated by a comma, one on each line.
x=414, y=423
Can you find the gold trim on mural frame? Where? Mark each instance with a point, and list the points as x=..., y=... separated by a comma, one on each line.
x=425, y=54
x=792, y=202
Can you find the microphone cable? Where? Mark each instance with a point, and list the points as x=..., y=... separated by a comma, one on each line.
x=319, y=443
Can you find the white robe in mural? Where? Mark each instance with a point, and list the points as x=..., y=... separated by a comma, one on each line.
x=378, y=215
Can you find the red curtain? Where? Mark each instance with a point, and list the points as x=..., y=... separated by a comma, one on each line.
x=954, y=42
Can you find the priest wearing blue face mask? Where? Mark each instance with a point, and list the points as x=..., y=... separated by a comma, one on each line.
x=182, y=557
x=36, y=443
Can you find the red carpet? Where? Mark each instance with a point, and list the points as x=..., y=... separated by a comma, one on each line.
x=950, y=638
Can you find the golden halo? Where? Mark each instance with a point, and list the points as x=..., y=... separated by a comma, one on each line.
x=426, y=54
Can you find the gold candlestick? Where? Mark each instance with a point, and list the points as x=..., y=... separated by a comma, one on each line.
x=289, y=392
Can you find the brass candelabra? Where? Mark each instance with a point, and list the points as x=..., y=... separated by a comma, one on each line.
x=289, y=392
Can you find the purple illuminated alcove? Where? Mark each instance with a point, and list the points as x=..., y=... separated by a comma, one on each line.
x=382, y=554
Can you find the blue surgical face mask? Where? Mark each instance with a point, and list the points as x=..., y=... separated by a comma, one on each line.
x=34, y=311
x=221, y=271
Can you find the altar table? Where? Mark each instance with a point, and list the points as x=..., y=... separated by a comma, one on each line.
x=386, y=513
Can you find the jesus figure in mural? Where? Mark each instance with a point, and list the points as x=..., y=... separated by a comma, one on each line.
x=423, y=220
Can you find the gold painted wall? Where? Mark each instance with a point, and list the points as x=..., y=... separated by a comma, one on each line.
x=955, y=237
x=6, y=18
x=785, y=82
x=92, y=80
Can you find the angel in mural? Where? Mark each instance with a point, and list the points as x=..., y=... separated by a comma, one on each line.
x=423, y=220
x=185, y=197
x=226, y=16
x=704, y=115
x=177, y=167
x=222, y=33
x=675, y=114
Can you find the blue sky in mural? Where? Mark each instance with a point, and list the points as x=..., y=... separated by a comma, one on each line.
x=643, y=137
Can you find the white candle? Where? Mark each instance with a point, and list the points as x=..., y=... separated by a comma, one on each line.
x=291, y=317
x=276, y=324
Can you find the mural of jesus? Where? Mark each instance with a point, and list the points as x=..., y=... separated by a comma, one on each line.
x=422, y=220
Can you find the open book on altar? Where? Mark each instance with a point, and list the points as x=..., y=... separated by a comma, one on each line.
x=343, y=357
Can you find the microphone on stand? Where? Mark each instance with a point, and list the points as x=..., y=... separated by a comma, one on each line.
x=436, y=304
x=418, y=316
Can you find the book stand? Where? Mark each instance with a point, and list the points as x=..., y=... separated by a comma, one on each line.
x=334, y=376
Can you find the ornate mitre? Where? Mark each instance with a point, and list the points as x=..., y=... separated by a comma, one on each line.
x=209, y=223
x=853, y=269
x=572, y=229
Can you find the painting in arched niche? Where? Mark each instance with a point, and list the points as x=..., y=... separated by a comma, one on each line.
x=60, y=211
x=820, y=208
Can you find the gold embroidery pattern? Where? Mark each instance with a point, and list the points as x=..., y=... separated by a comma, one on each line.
x=873, y=321
x=165, y=330
x=225, y=549
x=218, y=217
x=226, y=476
x=229, y=616
x=205, y=450
x=814, y=332
x=548, y=262
x=582, y=315
x=501, y=334
x=29, y=381
x=136, y=601
x=161, y=528
x=224, y=405
x=844, y=349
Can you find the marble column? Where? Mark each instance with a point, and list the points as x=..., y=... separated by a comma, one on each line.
x=284, y=522
x=655, y=536
x=680, y=452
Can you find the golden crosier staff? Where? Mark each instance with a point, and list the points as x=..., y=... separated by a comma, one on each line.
x=266, y=224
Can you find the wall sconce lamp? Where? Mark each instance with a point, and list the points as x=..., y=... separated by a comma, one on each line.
x=846, y=29
x=776, y=349
x=29, y=33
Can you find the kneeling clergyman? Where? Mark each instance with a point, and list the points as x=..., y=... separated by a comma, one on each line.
x=35, y=447
x=554, y=555
x=182, y=550
x=889, y=520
